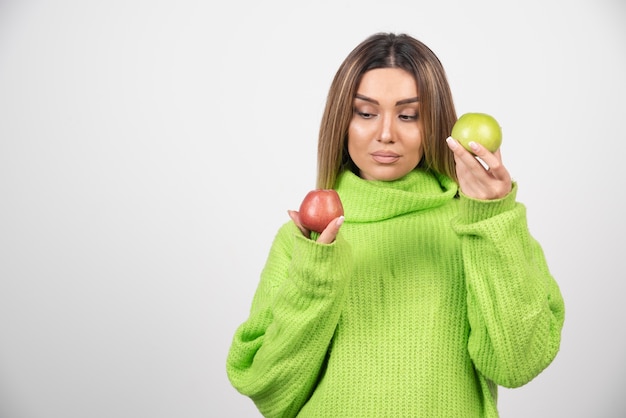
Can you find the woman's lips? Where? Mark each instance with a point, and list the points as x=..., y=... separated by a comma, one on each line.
x=385, y=157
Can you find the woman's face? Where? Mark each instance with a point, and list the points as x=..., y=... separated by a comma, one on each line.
x=385, y=133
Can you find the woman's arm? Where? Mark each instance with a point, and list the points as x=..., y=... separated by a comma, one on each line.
x=515, y=308
x=277, y=353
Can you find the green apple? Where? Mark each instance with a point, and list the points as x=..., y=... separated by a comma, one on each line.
x=480, y=128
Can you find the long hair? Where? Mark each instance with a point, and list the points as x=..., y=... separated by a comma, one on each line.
x=387, y=50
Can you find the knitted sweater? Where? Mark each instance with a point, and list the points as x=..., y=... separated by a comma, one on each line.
x=422, y=306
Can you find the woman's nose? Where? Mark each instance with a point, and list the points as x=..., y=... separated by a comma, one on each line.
x=385, y=135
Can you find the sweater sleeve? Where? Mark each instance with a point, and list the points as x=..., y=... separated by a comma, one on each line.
x=277, y=354
x=515, y=308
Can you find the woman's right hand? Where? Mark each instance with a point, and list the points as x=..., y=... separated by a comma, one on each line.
x=327, y=236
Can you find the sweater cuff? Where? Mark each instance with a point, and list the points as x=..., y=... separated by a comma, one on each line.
x=475, y=210
x=320, y=269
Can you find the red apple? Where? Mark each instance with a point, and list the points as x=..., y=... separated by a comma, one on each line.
x=319, y=208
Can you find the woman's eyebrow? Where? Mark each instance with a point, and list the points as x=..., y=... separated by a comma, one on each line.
x=398, y=103
x=405, y=101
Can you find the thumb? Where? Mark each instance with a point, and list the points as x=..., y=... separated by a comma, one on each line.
x=295, y=217
x=330, y=233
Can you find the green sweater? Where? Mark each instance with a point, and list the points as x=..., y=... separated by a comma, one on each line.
x=422, y=306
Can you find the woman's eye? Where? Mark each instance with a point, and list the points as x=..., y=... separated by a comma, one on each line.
x=365, y=115
x=409, y=117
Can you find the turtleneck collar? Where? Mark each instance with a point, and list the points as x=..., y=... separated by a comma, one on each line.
x=368, y=201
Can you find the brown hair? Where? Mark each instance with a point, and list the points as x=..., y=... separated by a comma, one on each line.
x=387, y=50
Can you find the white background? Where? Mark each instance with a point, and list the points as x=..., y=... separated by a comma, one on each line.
x=149, y=151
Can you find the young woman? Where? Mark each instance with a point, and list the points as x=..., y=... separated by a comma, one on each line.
x=429, y=294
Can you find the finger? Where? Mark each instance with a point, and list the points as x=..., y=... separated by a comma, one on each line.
x=295, y=217
x=498, y=181
x=463, y=157
x=490, y=161
x=487, y=162
x=330, y=233
x=457, y=149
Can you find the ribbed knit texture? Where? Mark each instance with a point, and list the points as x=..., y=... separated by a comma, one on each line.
x=423, y=305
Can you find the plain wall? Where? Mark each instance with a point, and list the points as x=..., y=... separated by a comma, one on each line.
x=149, y=151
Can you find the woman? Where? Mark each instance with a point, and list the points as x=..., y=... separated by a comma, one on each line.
x=429, y=294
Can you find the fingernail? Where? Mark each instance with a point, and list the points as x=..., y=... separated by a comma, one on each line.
x=340, y=220
x=451, y=143
x=473, y=145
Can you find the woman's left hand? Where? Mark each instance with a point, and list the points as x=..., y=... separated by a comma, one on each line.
x=485, y=182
